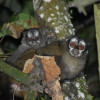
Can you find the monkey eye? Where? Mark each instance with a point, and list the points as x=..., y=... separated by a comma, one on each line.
x=81, y=47
x=36, y=38
x=72, y=44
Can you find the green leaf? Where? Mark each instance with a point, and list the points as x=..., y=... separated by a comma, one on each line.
x=89, y=97
x=24, y=16
x=5, y=32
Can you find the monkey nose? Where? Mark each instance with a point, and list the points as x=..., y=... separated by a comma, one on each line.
x=34, y=43
x=76, y=51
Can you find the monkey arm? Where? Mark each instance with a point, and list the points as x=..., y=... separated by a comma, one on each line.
x=17, y=54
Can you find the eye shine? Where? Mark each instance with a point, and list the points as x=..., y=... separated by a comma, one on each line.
x=77, y=46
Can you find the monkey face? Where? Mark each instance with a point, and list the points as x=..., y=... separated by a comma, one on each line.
x=33, y=37
x=77, y=46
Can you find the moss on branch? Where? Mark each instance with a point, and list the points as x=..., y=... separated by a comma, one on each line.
x=14, y=73
x=54, y=14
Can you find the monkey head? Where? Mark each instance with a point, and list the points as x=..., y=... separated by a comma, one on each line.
x=33, y=38
x=77, y=46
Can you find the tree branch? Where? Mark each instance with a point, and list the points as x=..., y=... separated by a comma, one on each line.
x=97, y=24
x=14, y=73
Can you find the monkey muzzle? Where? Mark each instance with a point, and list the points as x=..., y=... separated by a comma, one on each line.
x=75, y=53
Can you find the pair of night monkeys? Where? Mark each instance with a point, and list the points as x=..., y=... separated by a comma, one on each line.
x=70, y=54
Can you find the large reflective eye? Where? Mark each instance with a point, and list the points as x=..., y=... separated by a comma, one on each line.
x=81, y=47
x=72, y=44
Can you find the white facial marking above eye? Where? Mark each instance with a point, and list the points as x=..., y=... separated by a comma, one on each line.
x=36, y=33
x=74, y=39
x=82, y=42
x=29, y=34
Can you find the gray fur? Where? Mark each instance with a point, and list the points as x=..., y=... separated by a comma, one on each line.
x=17, y=54
x=71, y=66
